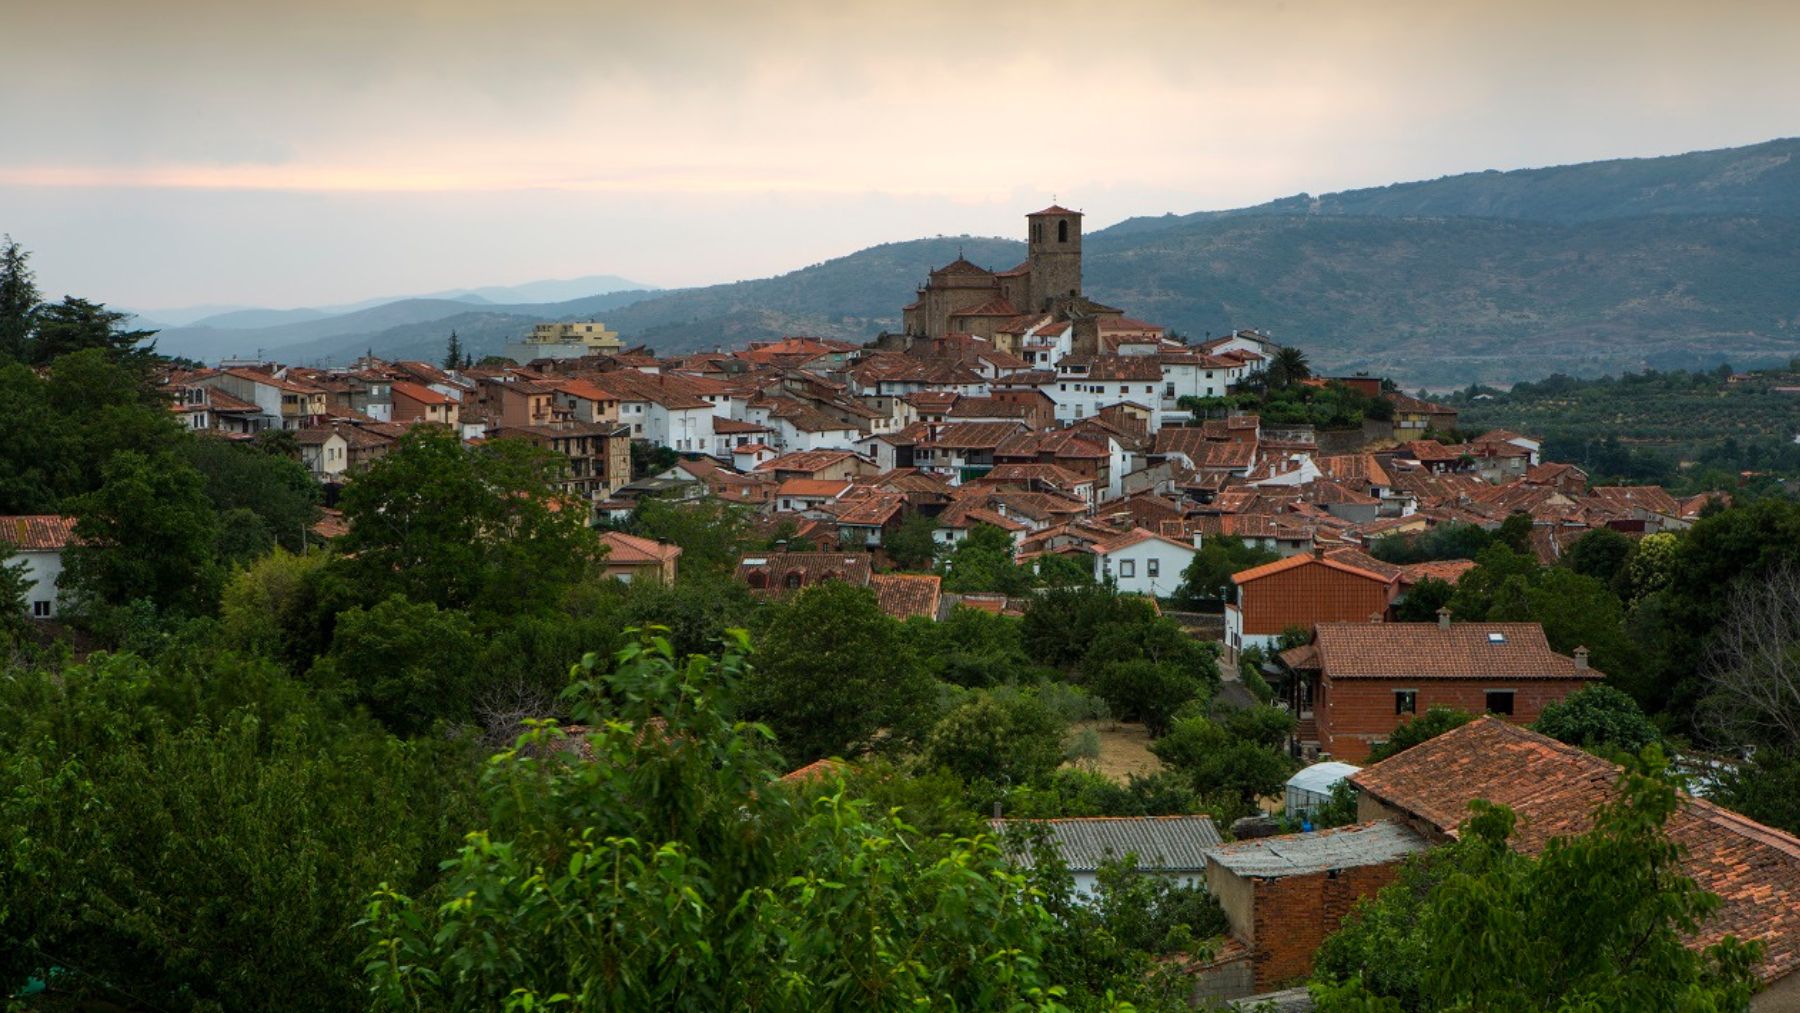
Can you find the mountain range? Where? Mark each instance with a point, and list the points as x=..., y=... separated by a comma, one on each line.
x=1683, y=260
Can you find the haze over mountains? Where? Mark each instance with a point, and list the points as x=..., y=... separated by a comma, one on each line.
x=1497, y=276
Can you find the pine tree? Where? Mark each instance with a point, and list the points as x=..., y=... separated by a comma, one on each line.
x=18, y=299
x=453, y=352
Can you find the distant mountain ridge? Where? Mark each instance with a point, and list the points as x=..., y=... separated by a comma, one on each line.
x=1681, y=260
x=1758, y=180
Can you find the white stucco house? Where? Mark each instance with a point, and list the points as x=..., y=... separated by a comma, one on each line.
x=37, y=540
x=1143, y=562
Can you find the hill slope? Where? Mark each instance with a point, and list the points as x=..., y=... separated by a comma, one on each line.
x=1757, y=180
x=1608, y=266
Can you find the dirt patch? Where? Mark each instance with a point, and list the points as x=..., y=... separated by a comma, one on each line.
x=1124, y=749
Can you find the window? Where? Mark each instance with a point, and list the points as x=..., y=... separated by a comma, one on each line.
x=1127, y=568
x=792, y=581
x=1168, y=390
x=40, y=609
x=1406, y=701
x=1062, y=231
x=1500, y=701
x=1153, y=567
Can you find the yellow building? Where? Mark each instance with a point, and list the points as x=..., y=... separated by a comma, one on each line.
x=565, y=340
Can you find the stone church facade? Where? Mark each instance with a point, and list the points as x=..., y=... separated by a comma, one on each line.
x=962, y=298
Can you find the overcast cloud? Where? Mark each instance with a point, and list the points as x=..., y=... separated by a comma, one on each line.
x=282, y=153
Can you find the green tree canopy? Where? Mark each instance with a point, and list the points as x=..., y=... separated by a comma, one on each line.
x=835, y=673
x=148, y=533
x=481, y=528
x=983, y=561
x=913, y=546
x=667, y=873
x=1600, y=718
x=201, y=835
x=1207, y=579
x=1007, y=737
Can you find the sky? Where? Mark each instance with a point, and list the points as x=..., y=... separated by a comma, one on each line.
x=281, y=153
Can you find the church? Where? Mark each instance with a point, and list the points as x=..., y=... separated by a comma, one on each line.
x=962, y=298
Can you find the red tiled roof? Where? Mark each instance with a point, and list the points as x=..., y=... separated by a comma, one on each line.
x=423, y=395
x=1447, y=570
x=1054, y=209
x=813, y=487
x=1554, y=789
x=585, y=389
x=37, y=532
x=904, y=595
x=1282, y=565
x=818, y=770
x=1428, y=650
x=623, y=548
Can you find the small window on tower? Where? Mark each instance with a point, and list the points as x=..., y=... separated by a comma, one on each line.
x=1062, y=231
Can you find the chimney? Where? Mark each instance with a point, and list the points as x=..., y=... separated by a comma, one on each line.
x=1581, y=656
x=1374, y=617
x=1318, y=550
x=1443, y=618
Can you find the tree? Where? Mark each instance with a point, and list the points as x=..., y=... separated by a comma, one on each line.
x=834, y=674
x=1222, y=765
x=1766, y=788
x=1600, y=718
x=1146, y=691
x=1207, y=579
x=984, y=561
x=1601, y=554
x=1055, y=569
x=75, y=325
x=15, y=589
x=276, y=490
x=1288, y=367
x=668, y=873
x=407, y=662
x=1455, y=540
x=1515, y=532
x=18, y=301
x=453, y=352
x=913, y=545
x=1421, y=602
x=972, y=648
x=1597, y=921
x=1753, y=667
x=1429, y=725
x=481, y=529
x=148, y=532
x=199, y=834
x=712, y=533
x=1003, y=737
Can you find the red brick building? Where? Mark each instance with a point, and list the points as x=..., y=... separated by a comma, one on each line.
x=1283, y=895
x=1356, y=682
x=1554, y=789
x=1302, y=591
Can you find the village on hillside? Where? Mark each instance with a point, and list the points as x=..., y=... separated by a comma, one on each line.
x=1013, y=407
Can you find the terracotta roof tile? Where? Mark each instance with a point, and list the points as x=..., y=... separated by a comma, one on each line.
x=1554, y=789
x=905, y=595
x=37, y=532
x=1427, y=650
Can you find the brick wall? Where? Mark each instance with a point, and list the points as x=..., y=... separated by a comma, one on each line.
x=1294, y=914
x=1354, y=714
x=1304, y=595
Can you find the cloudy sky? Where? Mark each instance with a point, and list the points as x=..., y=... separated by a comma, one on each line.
x=290, y=153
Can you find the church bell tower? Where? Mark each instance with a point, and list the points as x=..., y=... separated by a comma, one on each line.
x=1054, y=242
